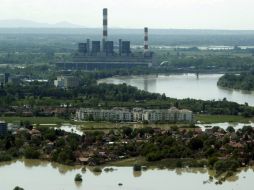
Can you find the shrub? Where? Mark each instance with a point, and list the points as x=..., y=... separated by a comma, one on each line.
x=18, y=188
x=137, y=167
x=31, y=153
x=78, y=178
x=212, y=161
x=226, y=165
x=5, y=157
x=97, y=170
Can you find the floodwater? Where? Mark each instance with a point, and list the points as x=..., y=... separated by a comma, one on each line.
x=41, y=175
x=202, y=86
x=71, y=129
x=225, y=125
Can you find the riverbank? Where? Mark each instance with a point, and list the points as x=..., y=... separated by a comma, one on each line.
x=243, y=81
x=184, y=86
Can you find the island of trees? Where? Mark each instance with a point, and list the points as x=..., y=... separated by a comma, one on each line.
x=243, y=81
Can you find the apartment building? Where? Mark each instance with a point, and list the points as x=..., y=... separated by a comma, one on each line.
x=135, y=115
x=167, y=115
x=115, y=114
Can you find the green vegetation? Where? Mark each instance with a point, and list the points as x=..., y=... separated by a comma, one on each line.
x=35, y=120
x=244, y=81
x=5, y=157
x=18, y=188
x=173, y=147
x=170, y=146
x=106, y=96
x=226, y=165
x=137, y=167
x=222, y=118
x=78, y=178
x=97, y=170
x=31, y=153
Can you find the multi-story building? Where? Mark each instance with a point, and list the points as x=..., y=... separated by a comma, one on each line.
x=66, y=82
x=116, y=114
x=3, y=128
x=136, y=115
x=167, y=115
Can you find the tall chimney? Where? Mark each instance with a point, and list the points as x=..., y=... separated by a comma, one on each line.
x=146, y=40
x=120, y=46
x=88, y=46
x=105, y=27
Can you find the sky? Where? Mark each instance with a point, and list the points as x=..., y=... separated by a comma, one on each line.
x=177, y=14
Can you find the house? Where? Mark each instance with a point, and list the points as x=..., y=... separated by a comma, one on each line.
x=83, y=160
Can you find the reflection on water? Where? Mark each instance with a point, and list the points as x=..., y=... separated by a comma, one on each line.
x=137, y=173
x=41, y=175
x=203, y=86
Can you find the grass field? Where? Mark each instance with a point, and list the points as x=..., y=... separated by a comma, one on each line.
x=35, y=120
x=107, y=125
x=222, y=118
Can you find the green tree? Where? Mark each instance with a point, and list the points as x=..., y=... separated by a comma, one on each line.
x=78, y=178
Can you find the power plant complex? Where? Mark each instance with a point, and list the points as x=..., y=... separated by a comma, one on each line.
x=100, y=55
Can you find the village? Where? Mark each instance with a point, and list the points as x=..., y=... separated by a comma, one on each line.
x=199, y=148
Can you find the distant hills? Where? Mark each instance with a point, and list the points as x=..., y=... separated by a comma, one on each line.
x=29, y=26
x=19, y=23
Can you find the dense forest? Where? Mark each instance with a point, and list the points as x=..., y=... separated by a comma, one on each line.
x=243, y=81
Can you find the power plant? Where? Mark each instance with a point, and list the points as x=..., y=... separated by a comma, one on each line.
x=104, y=54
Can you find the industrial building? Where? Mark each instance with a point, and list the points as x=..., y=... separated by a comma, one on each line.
x=66, y=82
x=135, y=115
x=106, y=54
x=4, y=78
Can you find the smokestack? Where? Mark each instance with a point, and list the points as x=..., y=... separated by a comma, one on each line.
x=105, y=27
x=88, y=46
x=120, y=46
x=146, y=40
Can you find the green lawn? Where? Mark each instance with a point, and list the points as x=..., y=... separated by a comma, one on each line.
x=222, y=118
x=107, y=125
x=35, y=120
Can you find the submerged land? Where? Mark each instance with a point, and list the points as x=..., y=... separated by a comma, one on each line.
x=216, y=148
x=36, y=110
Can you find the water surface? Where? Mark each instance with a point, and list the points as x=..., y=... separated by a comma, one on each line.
x=38, y=175
x=203, y=86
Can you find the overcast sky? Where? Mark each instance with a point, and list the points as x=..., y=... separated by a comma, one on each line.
x=181, y=14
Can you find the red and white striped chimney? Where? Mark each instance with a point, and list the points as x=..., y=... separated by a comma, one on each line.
x=146, y=40
x=105, y=24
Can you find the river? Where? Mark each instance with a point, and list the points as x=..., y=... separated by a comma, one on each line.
x=203, y=86
x=41, y=175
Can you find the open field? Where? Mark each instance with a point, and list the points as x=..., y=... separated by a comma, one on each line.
x=222, y=118
x=206, y=119
x=35, y=120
